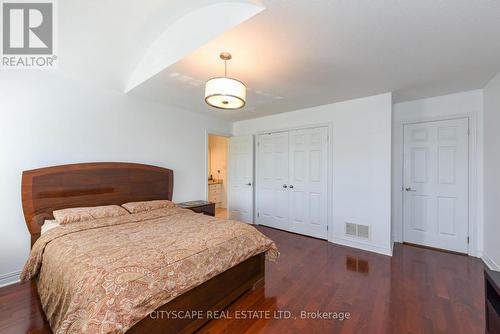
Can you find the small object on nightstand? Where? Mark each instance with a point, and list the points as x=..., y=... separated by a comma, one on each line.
x=205, y=207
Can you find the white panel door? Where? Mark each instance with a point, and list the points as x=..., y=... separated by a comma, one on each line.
x=240, y=193
x=273, y=179
x=308, y=188
x=436, y=184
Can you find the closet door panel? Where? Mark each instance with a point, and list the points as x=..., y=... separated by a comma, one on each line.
x=273, y=174
x=299, y=210
x=308, y=181
x=293, y=181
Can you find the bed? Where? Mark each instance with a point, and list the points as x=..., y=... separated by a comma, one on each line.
x=144, y=272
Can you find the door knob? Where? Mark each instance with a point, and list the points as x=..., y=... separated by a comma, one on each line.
x=285, y=186
x=291, y=186
x=249, y=183
x=409, y=189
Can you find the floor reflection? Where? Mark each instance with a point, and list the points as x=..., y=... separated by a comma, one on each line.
x=414, y=291
x=357, y=264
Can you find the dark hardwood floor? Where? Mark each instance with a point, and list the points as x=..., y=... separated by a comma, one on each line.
x=416, y=291
x=20, y=310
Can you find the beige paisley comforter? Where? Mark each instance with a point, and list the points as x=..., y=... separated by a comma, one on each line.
x=105, y=275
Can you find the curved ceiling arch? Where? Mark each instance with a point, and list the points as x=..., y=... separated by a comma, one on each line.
x=187, y=33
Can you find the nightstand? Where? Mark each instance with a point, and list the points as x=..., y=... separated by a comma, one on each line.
x=207, y=208
x=492, y=300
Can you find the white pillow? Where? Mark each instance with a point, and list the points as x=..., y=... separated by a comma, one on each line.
x=49, y=225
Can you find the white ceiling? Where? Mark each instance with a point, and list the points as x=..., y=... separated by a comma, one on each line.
x=120, y=44
x=297, y=54
x=294, y=53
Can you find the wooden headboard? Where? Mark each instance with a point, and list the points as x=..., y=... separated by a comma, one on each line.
x=89, y=184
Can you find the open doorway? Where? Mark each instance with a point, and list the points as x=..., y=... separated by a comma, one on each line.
x=217, y=173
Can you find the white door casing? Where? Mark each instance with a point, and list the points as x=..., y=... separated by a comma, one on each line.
x=240, y=190
x=292, y=185
x=273, y=178
x=435, y=191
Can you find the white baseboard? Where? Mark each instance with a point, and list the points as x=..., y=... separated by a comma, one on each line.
x=10, y=278
x=362, y=246
x=490, y=263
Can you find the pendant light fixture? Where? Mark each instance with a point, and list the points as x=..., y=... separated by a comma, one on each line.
x=224, y=92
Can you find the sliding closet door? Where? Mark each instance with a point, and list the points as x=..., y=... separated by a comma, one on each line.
x=308, y=186
x=272, y=182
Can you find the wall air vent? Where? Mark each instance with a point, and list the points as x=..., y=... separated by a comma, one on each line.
x=350, y=229
x=357, y=230
x=364, y=231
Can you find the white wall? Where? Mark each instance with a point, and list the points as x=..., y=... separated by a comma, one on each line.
x=491, y=253
x=49, y=120
x=361, y=162
x=465, y=104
